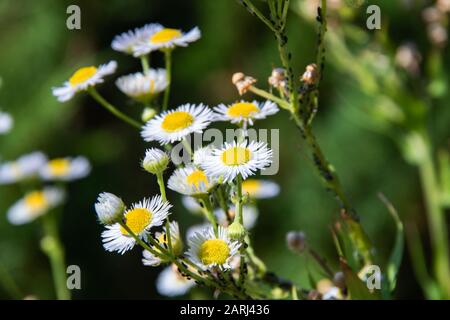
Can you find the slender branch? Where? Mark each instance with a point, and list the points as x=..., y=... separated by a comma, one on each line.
x=108, y=106
x=168, y=61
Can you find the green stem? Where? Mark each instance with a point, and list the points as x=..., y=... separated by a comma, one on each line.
x=162, y=189
x=282, y=103
x=252, y=9
x=9, y=284
x=436, y=222
x=168, y=62
x=145, y=63
x=108, y=106
x=208, y=212
x=187, y=146
x=239, y=216
x=52, y=247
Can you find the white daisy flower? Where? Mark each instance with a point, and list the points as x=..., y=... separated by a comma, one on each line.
x=26, y=167
x=165, y=38
x=249, y=214
x=191, y=204
x=155, y=161
x=171, y=283
x=142, y=216
x=174, y=125
x=209, y=251
x=82, y=79
x=34, y=204
x=260, y=189
x=190, y=181
x=235, y=159
x=143, y=87
x=177, y=245
x=245, y=112
x=6, y=122
x=125, y=41
x=66, y=169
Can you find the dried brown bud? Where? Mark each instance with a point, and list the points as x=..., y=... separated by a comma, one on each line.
x=311, y=74
x=296, y=241
x=242, y=82
x=237, y=77
x=278, y=78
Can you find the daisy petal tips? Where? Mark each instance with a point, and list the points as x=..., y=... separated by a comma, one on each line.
x=165, y=38
x=246, y=112
x=235, y=159
x=82, y=79
x=125, y=42
x=174, y=125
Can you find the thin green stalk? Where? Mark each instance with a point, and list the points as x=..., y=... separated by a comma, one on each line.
x=253, y=10
x=239, y=216
x=52, y=247
x=168, y=62
x=162, y=190
x=208, y=212
x=108, y=106
x=282, y=103
x=145, y=62
x=187, y=146
x=436, y=222
x=9, y=284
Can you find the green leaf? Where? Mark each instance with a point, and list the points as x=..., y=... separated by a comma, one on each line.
x=395, y=258
x=357, y=289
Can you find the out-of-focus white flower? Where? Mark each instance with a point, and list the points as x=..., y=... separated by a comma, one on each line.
x=82, y=79
x=6, y=122
x=260, y=189
x=66, y=169
x=171, y=283
x=26, y=167
x=126, y=41
x=34, y=204
x=143, y=87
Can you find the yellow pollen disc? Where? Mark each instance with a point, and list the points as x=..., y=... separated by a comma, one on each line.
x=214, y=251
x=196, y=178
x=177, y=121
x=59, y=167
x=36, y=200
x=152, y=86
x=251, y=186
x=242, y=109
x=137, y=220
x=236, y=156
x=82, y=75
x=165, y=35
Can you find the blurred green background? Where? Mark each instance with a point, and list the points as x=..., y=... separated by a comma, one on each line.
x=39, y=52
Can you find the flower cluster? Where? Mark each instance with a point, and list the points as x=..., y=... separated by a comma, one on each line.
x=214, y=183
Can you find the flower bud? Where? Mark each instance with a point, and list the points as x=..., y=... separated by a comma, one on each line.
x=278, y=78
x=155, y=161
x=148, y=114
x=242, y=82
x=311, y=74
x=236, y=231
x=109, y=208
x=296, y=241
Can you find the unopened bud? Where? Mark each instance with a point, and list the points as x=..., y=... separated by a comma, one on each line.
x=296, y=241
x=339, y=280
x=278, y=78
x=109, y=208
x=236, y=231
x=155, y=161
x=148, y=114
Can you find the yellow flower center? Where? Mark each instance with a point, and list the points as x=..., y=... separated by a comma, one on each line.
x=196, y=178
x=214, y=251
x=242, y=109
x=177, y=121
x=251, y=186
x=165, y=35
x=177, y=244
x=36, y=201
x=82, y=75
x=59, y=167
x=236, y=156
x=137, y=220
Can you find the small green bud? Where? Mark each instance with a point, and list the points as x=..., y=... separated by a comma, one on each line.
x=236, y=231
x=155, y=161
x=148, y=114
